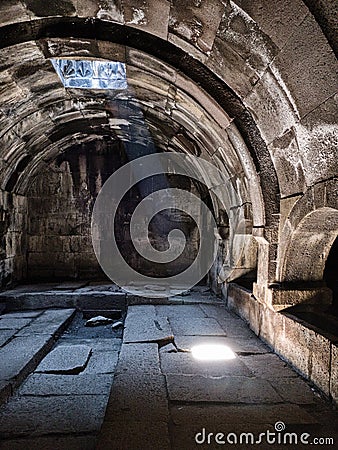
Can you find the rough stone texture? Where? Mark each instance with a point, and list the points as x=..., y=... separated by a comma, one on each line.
x=84, y=384
x=65, y=359
x=50, y=322
x=230, y=389
x=5, y=335
x=21, y=355
x=255, y=62
x=195, y=327
x=184, y=364
x=55, y=442
x=268, y=366
x=135, y=358
x=334, y=373
x=13, y=324
x=102, y=362
x=38, y=415
x=139, y=328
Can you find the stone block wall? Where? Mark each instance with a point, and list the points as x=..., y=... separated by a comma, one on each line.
x=312, y=351
x=13, y=228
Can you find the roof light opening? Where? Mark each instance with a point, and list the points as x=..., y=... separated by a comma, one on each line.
x=90, y=74
x=212, y=352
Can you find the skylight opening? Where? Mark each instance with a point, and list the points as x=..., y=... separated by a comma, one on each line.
x=89, y=74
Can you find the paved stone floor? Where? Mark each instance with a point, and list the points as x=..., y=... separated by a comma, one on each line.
x=61, y=404
x=161, y=397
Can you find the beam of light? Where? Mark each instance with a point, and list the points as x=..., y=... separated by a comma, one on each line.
x=212, y=352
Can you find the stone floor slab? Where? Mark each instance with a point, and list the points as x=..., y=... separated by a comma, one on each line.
x=36, y=416
x=5, y=335
x=185, y=364
x=196, y=327
x=135, y=358
x=24, y=314
x=134, y=435
x=22, y=354
x=39, y=384
x=294, y=390
x=141, y=328
x=13, y=323
x=66, y=359
x=268, y=366
x=102, y=362
x=51, y=443
x=49, y=322
x=138, y=397
x=237, y=414
x=177, y=311
x=239, y=389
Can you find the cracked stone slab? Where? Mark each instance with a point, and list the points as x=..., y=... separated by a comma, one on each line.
x=185, y=364
x=250, y=345
x=39, y=384
x=268, y=366
x=135, y=358
x=66, y=359
x=142, y=328
x=196, y=327
x=39, y=415
x=138, y=396
x=9, y=323
x=102, y=362
x=5, y=335
x=294, y=390
x=185, y=343
x=49, y=322
x=21, y=355
x=239, y=389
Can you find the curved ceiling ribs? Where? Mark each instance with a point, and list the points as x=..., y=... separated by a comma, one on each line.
x=204, y=78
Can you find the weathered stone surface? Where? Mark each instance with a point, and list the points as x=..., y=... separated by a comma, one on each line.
x=40, y=415
x=294, y=390
x=21, y=355
x=122, y=434
x=13, y=323
x=230, y=389
x=50, y=322
x=184, y=364
x=138, y=396
x=55, y=442
x=268, y=366
x=240, y=414
x=65, y=359
x=176, y=311
x=139, y=358
x=142, y=328
x=39, y=384
x=196, y=327
x=102, y=362
x=334, y=373
x=5, y=335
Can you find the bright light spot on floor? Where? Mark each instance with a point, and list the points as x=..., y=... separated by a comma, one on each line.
x=212, y=352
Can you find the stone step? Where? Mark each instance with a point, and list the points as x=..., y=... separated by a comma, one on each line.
x=80, y=299
x=28, y=346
